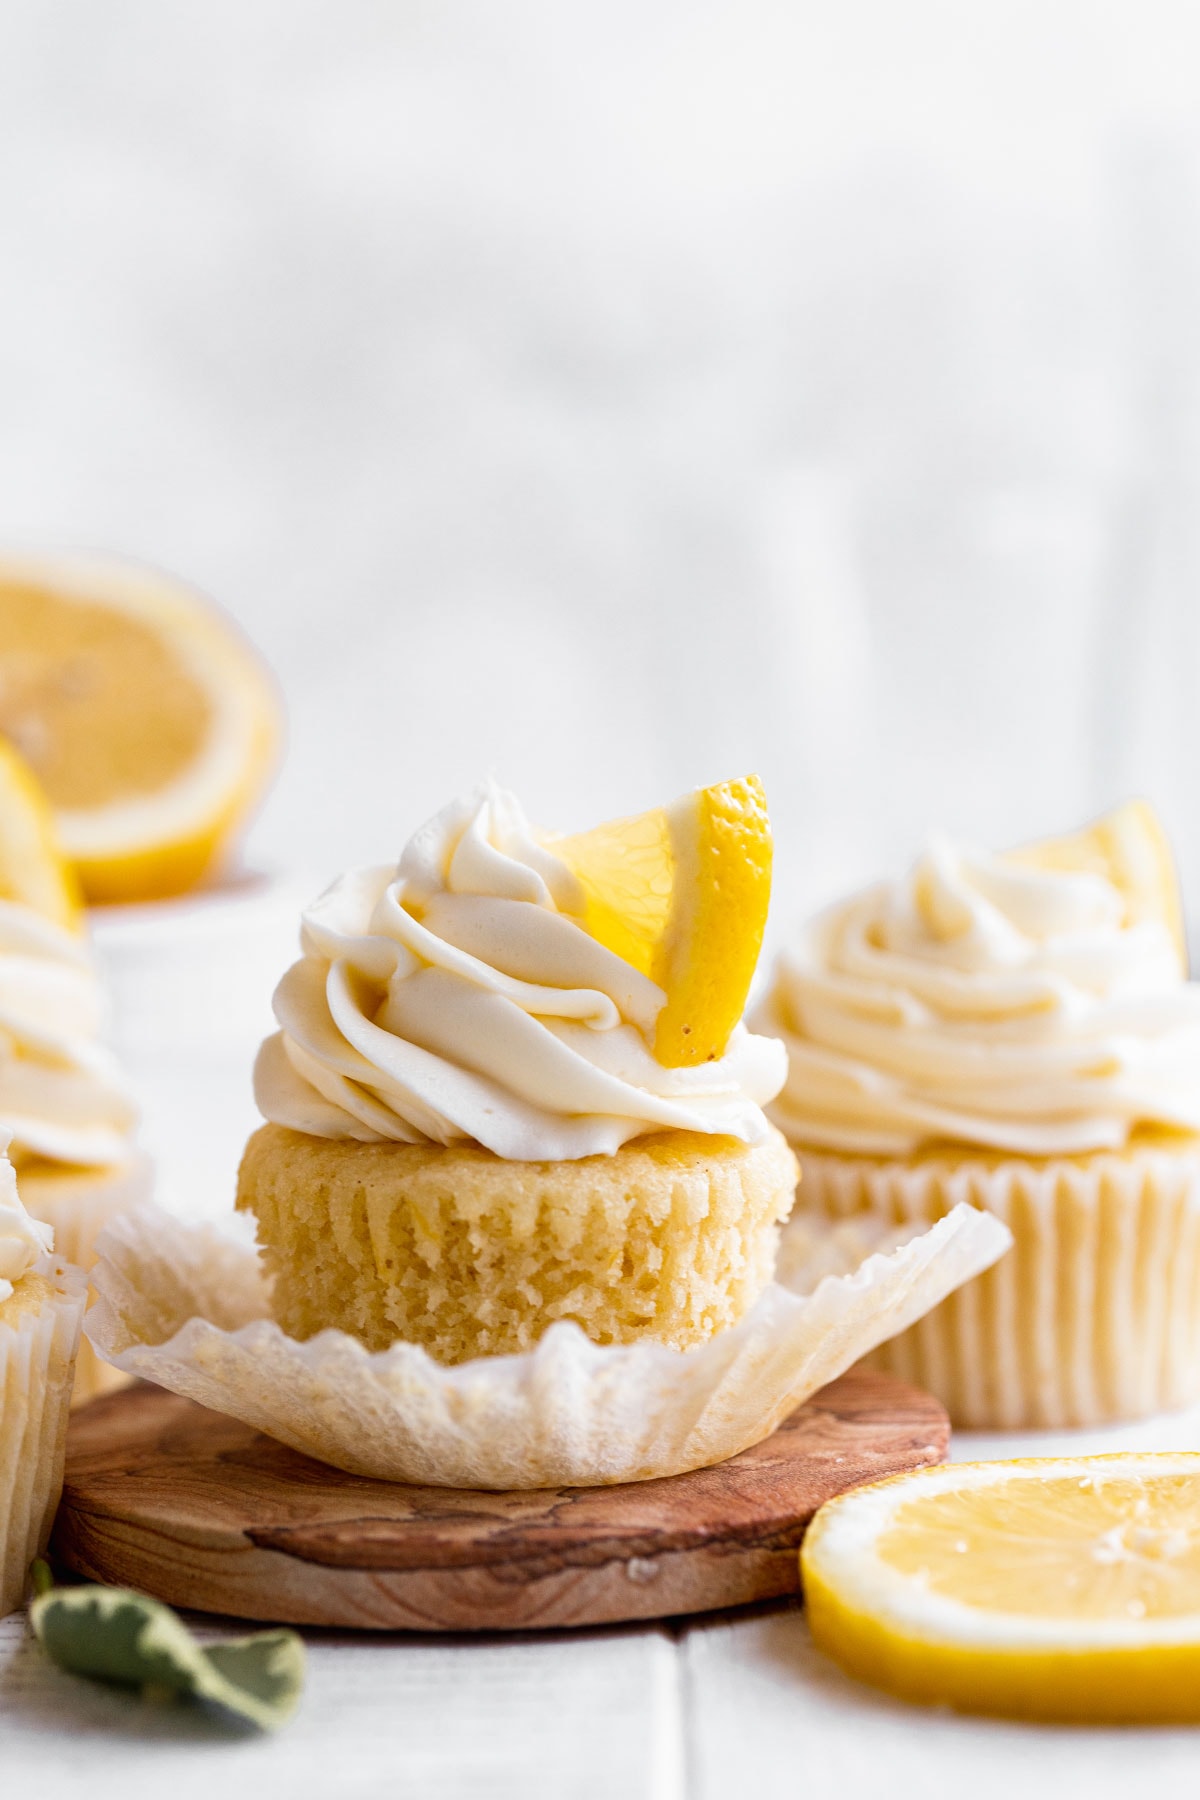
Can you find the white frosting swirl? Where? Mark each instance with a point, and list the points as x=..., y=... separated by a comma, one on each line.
x=456, y=998
x=984, y=1002
x=61, y=1096
x=22, y=1239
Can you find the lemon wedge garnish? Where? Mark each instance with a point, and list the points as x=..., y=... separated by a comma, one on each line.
x=33, y=870
x=145, y=715
x=1130, y=847
x=681, y=893
x=1059, y=1588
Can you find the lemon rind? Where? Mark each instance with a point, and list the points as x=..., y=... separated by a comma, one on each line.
x=882, y=1627
x=33, y=868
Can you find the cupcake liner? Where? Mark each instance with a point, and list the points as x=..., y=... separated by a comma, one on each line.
x=1095, y=1315
x=184, y=1308
x=78, y=1204
x=37, y=1361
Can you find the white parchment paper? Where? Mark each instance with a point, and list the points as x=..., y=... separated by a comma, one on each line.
x=181, y=1306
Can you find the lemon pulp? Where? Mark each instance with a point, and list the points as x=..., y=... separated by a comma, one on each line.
x=1065, y=1547
x=146, y=715
x=97, y=702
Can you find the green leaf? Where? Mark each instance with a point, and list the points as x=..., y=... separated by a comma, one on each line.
x=115, y=1635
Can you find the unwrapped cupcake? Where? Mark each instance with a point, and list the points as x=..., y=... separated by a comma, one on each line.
x=1016, y=1032
x=480, y=1119
x=517, y=1198
x=42, y=1300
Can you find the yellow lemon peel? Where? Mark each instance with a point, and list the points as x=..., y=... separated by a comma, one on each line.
x=681, y=893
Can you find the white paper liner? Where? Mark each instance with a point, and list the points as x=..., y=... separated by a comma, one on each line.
x=181, y=1306
x=1094, y=1317
x=37, y=1363
x=812, y=1247
x=78, y=1205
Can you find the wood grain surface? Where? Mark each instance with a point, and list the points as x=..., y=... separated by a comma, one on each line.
x=204, y=1512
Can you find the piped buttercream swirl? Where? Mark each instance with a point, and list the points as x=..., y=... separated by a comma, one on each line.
x=456, y=997
x=62, y=1098
x=983, y=1001
x=22, y=1239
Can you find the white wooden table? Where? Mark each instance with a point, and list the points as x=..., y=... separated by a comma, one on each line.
x=721, y=1707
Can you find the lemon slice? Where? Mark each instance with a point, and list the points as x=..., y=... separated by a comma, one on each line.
x=1130, y=847
x=681, y=893
x=148, y=719
x=1064, y=1588
x=33, y=869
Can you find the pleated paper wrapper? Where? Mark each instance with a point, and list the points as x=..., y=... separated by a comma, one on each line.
x=77, y=1204
x=184, y=1307
x=1094, y=1317
x=37, y=1364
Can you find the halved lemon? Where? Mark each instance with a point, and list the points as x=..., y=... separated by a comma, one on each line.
x=1130, y=847
x=681, y=893
x=1058, y=1588
x=33, y=869
x=149, y=721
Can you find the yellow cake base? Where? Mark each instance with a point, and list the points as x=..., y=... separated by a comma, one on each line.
x=673, y=1237
x=39, y=1337
x=78, y=1204
x=1094, y=1315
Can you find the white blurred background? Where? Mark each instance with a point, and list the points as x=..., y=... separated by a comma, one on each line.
x=618, y=397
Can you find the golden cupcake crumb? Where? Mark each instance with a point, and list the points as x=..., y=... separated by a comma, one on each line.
x=672, y=1237
x=27, y=1299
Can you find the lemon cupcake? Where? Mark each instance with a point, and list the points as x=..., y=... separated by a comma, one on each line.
x=41, y=1310
x=511, y=1086
x=63, y=1104
x=1017, y=1032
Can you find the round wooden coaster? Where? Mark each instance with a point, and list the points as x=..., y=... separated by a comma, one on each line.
x=204, y=1512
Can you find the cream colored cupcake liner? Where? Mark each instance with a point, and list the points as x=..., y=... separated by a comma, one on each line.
x=37, y=1361
x=183, y=1307
x=78, y=1204
x=1094, y=1316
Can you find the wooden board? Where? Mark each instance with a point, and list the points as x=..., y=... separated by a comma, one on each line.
x=204, y=1512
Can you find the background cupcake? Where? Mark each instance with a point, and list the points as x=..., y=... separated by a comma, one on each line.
x=1018, y=1032
x=41, y=1310
x=62, y=1097
x=64, y=1105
